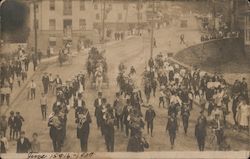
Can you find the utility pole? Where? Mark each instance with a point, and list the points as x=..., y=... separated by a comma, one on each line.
x=35, y=24
x=1, y=3
x=103, y=21
x=152, y=30
x=138, y=16
x=214, y=14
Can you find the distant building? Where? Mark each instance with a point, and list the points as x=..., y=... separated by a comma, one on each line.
x=243, y=21
x=60, y=21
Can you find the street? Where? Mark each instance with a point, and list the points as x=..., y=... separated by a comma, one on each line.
x=133, y=52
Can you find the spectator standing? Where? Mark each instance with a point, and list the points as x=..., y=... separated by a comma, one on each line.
x=23, y=144
x=35, y=144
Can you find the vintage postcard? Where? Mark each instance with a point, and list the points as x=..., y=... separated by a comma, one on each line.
x=124, y=79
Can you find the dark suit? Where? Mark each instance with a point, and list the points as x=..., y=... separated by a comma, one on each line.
x=11, y=124
x=18, y=125
x=2, y=147
x=149, y=118
x=185, y=113
x=118, y=113
x=23, y=147
x=45, y=81
x=83, y=120
x=200, y=132
x=109, y=132
x=98, y=112
x=136, y=144
x=172, y=127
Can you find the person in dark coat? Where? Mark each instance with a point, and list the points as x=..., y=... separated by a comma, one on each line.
x=137, y=143
x=23, y=144
x=45, y=81
x=18, y=124
x=147, y=90
x=200, y=131
x=11, y=124
x=149, y=118
x=118, y=106
x=2, y=147
x=172, y=109
x=83, y=121
x=172, y=128
x=109, y=130
x=98, y=109
x=56, y=130
x=151, y=63
x=236, y=100
x=154, y=86
x=185, y=113
x=3, y=125
x=126, y=111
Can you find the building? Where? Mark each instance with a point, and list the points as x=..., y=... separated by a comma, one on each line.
x=60, y=21
x=242, y=21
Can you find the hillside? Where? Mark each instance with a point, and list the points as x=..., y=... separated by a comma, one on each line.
x=225, y=55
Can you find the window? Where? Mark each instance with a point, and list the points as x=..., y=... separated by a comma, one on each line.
x=67, y=7
x=52, y=4
x=120, y=16
x=140, y=16
x=82, y=24
x=95, y=6
x=67, y=27
x=110, y=6
x=52, y=41
x=97, y=16
x=36, y=25
x=37, y=8
x=82, y=5
x=125, y=6
x=139, y=6
x=52, y=24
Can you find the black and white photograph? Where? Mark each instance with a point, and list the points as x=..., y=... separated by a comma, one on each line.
x=124, y=79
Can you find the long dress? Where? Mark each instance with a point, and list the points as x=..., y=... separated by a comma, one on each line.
x=243, y=114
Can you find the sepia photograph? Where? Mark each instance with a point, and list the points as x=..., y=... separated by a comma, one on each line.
x=124, y=79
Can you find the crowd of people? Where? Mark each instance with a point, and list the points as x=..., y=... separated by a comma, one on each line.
x=14, y=71
x=177, y=88
x=218, y=35
x=180, y=88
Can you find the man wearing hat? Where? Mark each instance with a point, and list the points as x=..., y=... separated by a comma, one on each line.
x=3, y=125
x=109, y=130
x=18, y=124
x=56, y=129
x=172, y=127
x=200, y=130
x=185, y=113
x=218, y=126
x=45, y=81
x=83, y=121
x=118, y=106
x=11, y=124
x=78, y=103
x=149, y=118
x=23, y=144
x=98, y=106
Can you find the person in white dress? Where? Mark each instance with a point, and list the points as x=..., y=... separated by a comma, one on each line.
x=243, y=114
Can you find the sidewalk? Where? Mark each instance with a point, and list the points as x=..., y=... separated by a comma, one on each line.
x=17, y=91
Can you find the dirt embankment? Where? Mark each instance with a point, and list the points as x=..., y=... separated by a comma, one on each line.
x=224, y=55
